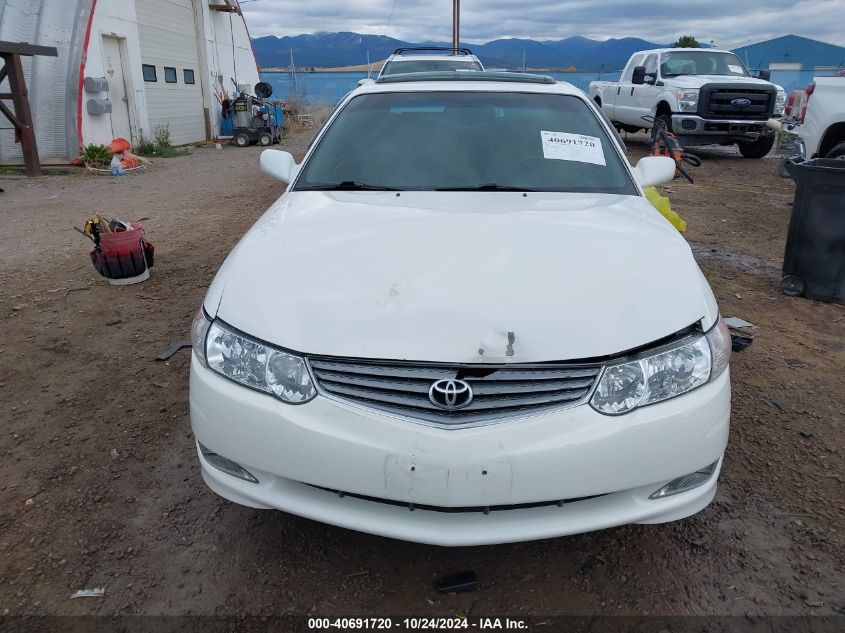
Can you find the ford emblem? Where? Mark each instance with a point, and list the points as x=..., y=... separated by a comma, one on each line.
x=741, y=103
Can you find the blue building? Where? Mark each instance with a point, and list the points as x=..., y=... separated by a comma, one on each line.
x=792, y=53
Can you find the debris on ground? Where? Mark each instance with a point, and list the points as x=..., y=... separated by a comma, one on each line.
x=165, y=355
x=736, y=322
x=458, y=583
x=742, y=333
x=97, y=592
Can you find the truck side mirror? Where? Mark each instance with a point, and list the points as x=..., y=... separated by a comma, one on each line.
x=765, y=75
x=639, y=75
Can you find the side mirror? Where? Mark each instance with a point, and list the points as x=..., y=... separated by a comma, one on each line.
x=280, y=165
x=639, y=75
x=765, y=75
x=655, y=170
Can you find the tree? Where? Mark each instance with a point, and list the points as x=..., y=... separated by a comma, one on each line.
x=686, y=41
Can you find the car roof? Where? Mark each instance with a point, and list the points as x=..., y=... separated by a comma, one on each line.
x=681, y=50
x=481, y=81
x=408, y=58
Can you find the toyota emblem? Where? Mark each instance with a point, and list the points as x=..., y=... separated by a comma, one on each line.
x=450, y=394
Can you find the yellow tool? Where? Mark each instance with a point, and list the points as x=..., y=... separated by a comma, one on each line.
x=96, y=225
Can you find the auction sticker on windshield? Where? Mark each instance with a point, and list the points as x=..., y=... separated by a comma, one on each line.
x=575, y=147
x=735, y=69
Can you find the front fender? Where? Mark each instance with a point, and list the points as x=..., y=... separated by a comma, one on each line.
x=667, y=96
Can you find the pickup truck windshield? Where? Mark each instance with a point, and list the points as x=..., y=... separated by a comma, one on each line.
x=466, y=141
x=428, y=65
x=701, y=62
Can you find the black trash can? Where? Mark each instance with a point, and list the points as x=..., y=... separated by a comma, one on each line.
x=814, y=261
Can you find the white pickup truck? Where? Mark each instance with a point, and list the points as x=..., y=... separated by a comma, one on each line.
x=703, y=96
x=821, y=127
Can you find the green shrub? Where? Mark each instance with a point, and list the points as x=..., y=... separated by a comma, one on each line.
x=162, y=136
x=96, y=156
x=144, y=146
x=159, y=145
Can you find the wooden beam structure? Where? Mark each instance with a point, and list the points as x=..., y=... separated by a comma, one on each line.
x=227, y=7
x=20, y=116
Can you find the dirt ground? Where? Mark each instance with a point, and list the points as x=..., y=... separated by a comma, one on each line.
x=99, y=482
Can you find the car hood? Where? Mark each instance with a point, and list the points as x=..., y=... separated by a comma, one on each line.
x=697, y=81
x=420, y=277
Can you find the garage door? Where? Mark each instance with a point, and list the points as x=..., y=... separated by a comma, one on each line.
x=167, y=34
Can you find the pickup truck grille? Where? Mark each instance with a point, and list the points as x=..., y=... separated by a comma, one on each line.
x=719, y=102
x=498, y=391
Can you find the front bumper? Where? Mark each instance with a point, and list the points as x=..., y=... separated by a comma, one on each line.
x=297, y=452
x=694, y=125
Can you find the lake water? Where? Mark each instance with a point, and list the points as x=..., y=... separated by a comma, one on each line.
x=330, y=87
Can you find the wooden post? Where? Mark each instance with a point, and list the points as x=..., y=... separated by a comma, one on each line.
x=21, y=118
x=23, y=126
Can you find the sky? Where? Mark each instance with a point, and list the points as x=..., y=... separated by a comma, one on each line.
x=727, y=23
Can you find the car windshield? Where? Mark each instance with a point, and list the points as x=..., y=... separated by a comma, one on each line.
x=428, y=65
x=701, y=62
x=471, y=141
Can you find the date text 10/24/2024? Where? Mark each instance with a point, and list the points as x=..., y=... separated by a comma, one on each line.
x=417, y=624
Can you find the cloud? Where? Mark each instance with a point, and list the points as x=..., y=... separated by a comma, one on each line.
x=728, y=24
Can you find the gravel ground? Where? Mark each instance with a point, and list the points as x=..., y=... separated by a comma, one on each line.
x=99, y=485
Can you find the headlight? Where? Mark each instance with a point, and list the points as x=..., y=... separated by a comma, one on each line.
x=255, y=365
x=780, y=102
x=664, y=374
x=687, y=100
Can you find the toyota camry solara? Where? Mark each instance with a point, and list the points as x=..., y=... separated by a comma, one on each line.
x=463, y=323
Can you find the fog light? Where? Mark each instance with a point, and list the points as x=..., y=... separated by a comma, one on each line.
x=226, y=465
x=686, y=483
x=688, y=124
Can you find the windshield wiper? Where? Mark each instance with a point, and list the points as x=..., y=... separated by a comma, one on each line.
x=346, y=185
x=490, y=186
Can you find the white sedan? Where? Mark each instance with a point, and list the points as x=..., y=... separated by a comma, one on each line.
x=463, y=323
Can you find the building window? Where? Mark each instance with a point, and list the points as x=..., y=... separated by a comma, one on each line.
x=149, y=72
x=169, y=75
x=189, y=76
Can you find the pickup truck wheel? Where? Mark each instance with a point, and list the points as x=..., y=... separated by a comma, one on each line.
x=758, y=148
x=837, y=151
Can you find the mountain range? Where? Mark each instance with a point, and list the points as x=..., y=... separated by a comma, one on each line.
x=335, y=50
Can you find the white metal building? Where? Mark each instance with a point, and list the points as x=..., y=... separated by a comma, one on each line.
x=124, y=68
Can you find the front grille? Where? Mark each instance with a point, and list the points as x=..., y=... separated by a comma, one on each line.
x=459, y=509
x=716, y=102
x=499, y=391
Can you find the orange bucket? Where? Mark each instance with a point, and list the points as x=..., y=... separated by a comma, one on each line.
x=119, y=145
